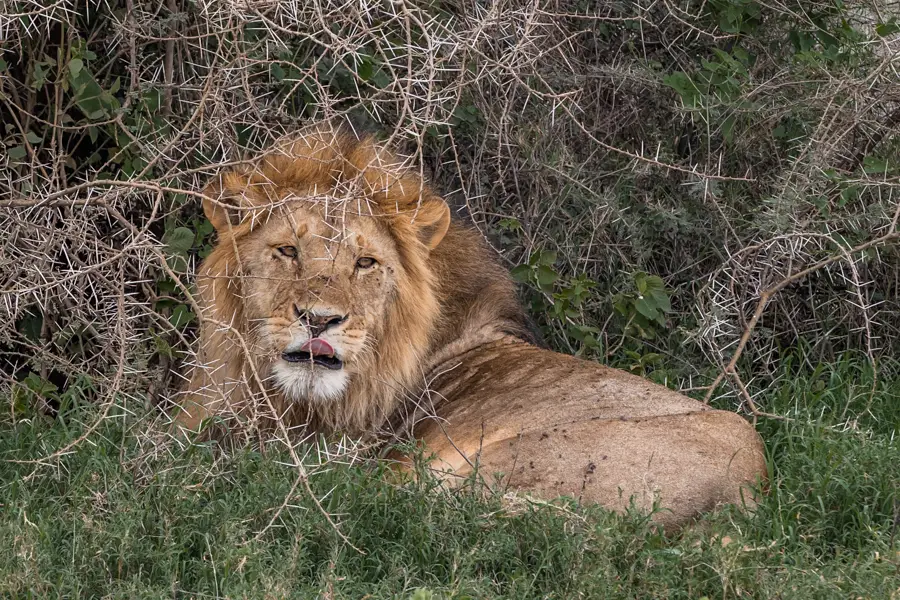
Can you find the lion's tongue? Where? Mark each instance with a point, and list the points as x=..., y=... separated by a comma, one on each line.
x=317, y=347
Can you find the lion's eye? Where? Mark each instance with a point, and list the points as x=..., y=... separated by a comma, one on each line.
x=366, y=262
x=288, y=251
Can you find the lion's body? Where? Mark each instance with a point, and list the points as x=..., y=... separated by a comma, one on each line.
x=555, y=425
x=330, y=251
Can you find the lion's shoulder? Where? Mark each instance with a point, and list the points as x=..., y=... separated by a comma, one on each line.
x=474, y=289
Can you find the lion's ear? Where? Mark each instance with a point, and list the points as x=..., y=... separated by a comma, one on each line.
x=220, y=205
x=432, y=221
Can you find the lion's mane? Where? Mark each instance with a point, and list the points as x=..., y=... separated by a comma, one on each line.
x=454, y=297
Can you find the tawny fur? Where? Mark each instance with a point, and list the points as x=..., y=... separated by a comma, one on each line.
x=448, y=285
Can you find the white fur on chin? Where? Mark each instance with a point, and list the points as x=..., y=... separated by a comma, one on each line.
x=308, y=383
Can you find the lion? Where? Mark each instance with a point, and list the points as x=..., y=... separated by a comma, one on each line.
x=343, y=297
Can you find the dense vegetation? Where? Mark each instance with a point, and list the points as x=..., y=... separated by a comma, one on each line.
x=679, y=186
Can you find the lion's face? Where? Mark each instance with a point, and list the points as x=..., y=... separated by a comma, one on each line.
x=319, y=296
x=318, y=285
x=319, y=288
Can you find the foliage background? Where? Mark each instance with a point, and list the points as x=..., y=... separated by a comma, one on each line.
x=649, y=170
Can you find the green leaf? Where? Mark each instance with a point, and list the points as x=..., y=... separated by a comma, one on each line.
x=181, y=316
x=381, y=79
x=655, y=282
x=152, y=100
x=546, y=276
x=581, y=333
x=365, y=69
x=177, y=262
x=33, y=137
x=662, y=300
x=651, y=358
x=75, y=66
x=3, y=65
x=684, y=85
x=646, y=307
x=39, y=385
x=17, y=152
x=849, y=194
x=522, y=273
x=166, y=286
x=728, y=128
x=875, y=164
x=40, y=76
x=180, y=240
x=162, y=346
x=640, y=282
x=203, y=227
x=89, y=96
x=510, y=224
x=466, y=114
x=886, y=29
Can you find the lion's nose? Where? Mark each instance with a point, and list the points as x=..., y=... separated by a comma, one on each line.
x=318, y=323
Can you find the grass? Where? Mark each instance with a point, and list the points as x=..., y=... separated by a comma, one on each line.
x=120, y=517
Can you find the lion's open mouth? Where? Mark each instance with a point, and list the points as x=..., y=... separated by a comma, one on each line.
x=315, y=351
x=329, y=362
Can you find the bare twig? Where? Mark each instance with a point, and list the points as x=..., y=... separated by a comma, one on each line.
x=767, y=294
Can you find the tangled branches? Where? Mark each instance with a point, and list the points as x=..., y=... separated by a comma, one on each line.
x=683, y=139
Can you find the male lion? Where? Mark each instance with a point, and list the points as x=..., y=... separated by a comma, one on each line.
x=342, y=296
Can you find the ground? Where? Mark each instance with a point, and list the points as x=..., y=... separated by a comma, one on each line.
x=124, y=515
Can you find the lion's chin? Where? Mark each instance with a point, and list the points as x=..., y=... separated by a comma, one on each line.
x=305, y=382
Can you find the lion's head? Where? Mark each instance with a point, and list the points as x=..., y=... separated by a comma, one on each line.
x=319, y=286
